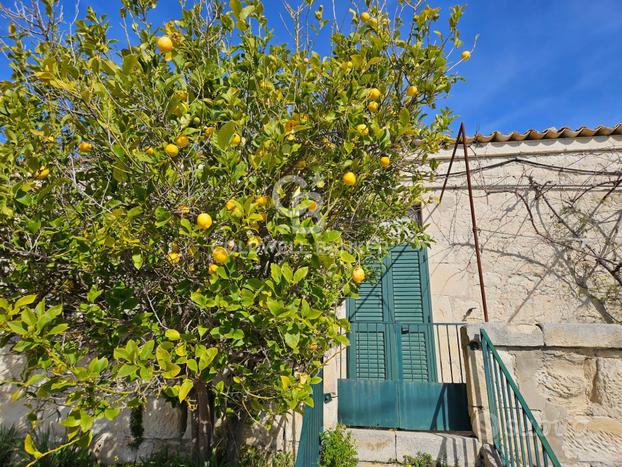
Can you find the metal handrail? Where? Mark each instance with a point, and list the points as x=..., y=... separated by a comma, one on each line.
x=517, y=436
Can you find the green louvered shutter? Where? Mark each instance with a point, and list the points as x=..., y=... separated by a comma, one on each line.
x=385, y=342
x=410, y=304
x=369, y=339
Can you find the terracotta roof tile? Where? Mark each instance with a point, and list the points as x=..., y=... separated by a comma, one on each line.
x=551, y=133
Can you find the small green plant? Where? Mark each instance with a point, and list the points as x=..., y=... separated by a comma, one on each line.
x=75, y=455
x=338, y=448
x=166, y=458
x=252, y=456
x=422, y=459
x=10, y=444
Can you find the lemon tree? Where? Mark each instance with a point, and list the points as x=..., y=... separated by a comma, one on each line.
x=180, y=216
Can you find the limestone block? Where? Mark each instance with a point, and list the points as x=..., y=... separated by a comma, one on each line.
x=374, y=445
x=607, y=390
x=451, y=449
x=593, y=439
x=563, y=378
x=508, y=335
x=588, y=335
x=162, y=420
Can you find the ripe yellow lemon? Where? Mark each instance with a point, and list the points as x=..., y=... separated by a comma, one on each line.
x=349, y=178
x=365, y=16
x=374, y=94
x=358, y=275
x=264, y=216
x=182, y=141
x=85, y=147
x=204, y=220
x=42, y=173
x=171, y=150
x=230, y=204
x=149, y=150
x=220, y=255
x=411, y=91
x=372, y=106
x=173, y=257
x=312, y=206
x=236, y=140
x=165, y=44
x=466, y=55
x=362, y=129
x=385, y=161
x=262, y=201
x=213, y=268
x=209, y=131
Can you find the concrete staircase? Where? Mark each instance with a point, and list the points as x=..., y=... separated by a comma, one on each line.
x=389, y=447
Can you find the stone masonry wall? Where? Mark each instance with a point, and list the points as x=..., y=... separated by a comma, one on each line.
x=571, y=377
x=526, y=279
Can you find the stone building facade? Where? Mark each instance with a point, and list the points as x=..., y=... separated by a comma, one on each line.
x=558, y=338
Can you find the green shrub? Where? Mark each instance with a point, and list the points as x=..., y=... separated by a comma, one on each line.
x=422, y=459
x=252, y=456
x=10, y=444
x=338, y=448
x=166, y=458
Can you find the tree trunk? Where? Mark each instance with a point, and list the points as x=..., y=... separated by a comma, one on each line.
x=202, y=422
x=235, y=425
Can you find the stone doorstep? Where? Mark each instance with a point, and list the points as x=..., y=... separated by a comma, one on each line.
x=386, y=447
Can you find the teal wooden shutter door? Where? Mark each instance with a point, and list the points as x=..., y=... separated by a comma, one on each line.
x=409, y=304
x=369, y=339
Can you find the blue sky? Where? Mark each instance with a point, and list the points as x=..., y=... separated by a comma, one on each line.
x=538, y=64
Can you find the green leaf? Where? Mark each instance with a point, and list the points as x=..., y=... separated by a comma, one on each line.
x=292, y=340
x=147, y=350
x=275, y=272
x=224, y=134
x=58, y=329
x=206, y=356
x=129, y=62
x=185, y=388
x=288, y=274
x=300, y=274
x=276, y=307
x=171, y=371
x=172, y=334
x=137, y=259
x=30, y=448
x=111, y=413
x=26, y=300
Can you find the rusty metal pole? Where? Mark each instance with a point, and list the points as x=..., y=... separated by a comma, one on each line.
x=462, y=133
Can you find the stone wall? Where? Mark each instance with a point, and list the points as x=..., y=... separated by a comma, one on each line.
x=165, y=427
x=571, y=377
x=526, y=279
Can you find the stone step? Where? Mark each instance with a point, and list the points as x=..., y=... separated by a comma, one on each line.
x=386, y=447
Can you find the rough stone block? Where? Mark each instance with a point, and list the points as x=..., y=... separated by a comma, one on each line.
x=597, y=439
x=583, y=335
x=607, y=391
x=454, y=450
x=374, y=445
x=508, y=335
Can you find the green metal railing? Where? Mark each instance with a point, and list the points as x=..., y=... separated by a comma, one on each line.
x=517, y=436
